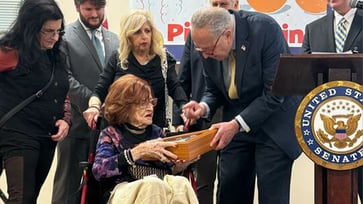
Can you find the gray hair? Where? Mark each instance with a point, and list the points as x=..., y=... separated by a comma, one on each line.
x=215, y=19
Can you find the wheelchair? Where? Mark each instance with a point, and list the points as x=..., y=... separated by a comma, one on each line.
x=93, y=191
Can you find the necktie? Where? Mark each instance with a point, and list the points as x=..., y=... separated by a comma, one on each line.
x=232, y=90
x=97, y=44
x=340, y=35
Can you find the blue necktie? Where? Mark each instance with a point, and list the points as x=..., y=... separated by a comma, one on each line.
x=97, y=44
x=340, y=35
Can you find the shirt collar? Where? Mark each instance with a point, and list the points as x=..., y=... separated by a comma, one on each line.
x=349, y=16
x=99, y=29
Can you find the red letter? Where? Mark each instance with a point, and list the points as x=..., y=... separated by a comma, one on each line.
x=174, y=30
x=186, y=30
x=296, y=35
x=285, y=31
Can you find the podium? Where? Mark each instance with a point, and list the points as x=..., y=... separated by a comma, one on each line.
x=299, y=75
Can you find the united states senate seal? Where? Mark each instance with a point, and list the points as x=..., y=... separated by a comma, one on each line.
x=329, y=125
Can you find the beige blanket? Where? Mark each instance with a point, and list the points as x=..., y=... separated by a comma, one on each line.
x=152, y=190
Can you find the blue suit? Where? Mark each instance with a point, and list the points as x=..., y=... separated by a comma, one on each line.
x=319, y=37
x=270, y=148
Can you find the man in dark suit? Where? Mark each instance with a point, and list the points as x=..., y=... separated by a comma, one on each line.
x=241, y=51
x=319, y=37
x=85, y=66
x=192, y=80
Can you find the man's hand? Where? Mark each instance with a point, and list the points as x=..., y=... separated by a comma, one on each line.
x=193, y=110
x=226, y=131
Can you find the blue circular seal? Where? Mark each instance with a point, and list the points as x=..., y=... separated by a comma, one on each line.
x=329, y=125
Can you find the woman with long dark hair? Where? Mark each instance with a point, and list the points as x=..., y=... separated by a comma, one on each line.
x=31, y=62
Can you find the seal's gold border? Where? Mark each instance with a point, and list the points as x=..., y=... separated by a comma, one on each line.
x=300, y=136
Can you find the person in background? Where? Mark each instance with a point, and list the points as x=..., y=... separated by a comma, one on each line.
x=132, y=136
x=320, y=37
x=257, y=137
x=141, y=53
x=192, y=80
x=30, y=59
x=84, y=67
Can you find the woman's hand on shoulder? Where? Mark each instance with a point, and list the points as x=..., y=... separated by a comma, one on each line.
x=91, y=116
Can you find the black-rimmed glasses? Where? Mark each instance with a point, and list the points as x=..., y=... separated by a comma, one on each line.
x=206, y=51
x=145, y=103
x=51, y=33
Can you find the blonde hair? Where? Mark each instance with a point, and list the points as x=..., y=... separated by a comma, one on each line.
x=130, y=25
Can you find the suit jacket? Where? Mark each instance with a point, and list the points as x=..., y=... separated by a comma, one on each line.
x=192, y=80
x=319, y=35
x=191, y=71
x=259, y=43
x=190, y=76
x=84, y=68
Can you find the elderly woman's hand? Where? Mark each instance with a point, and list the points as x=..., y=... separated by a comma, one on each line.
x=155, y=149
x=180, y=165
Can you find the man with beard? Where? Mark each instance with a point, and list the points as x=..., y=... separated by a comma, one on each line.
x=87, y=46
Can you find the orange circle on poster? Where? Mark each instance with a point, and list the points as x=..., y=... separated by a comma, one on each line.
x=312, y=6
x=264, y=6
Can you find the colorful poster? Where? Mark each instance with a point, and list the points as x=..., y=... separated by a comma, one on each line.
x=292, y=15
x=173, y=16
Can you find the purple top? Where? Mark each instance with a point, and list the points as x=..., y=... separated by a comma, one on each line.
x=109, y=159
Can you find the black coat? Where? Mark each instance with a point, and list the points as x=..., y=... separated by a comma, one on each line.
x=150, y=72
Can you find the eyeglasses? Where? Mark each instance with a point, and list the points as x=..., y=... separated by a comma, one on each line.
x=206, y=51
x=51, y=33
x=145, y=103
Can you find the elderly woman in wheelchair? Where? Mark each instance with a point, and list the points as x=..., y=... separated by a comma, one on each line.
x=131, y=148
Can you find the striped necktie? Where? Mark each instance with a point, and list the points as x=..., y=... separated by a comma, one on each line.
x=340, y=35
x=97, y=44
x=232, y=90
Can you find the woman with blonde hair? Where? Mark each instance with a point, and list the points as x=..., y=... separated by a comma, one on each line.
x=141, y=53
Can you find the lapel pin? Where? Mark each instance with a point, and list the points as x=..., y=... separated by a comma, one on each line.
x=243, y=48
